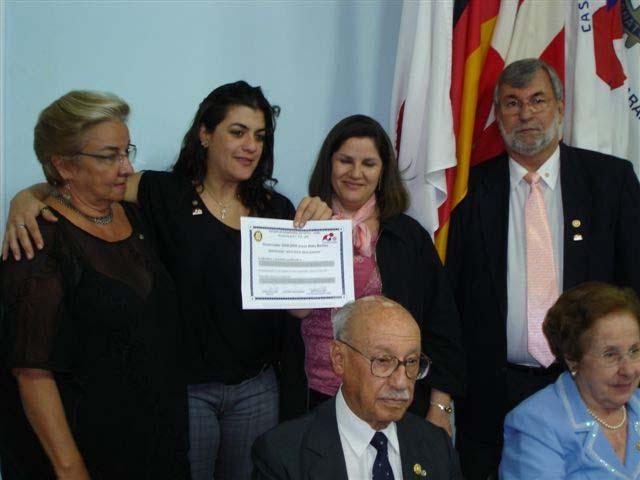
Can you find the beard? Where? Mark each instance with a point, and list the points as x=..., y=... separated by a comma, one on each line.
x=543, y=139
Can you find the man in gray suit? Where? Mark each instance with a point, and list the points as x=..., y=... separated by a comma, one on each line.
x=364, y=432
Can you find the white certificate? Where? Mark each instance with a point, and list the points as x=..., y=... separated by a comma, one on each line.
x=286, y=267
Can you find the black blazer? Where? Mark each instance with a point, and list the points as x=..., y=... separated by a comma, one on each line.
x=309, y=448
x=600, y=191
x=413, y=276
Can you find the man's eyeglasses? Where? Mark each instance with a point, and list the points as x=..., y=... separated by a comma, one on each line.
x=513, y=106
x=111, y=159
x=614, y=357
x=415, y=367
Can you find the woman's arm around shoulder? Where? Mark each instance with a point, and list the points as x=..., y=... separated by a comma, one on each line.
x=22, y=231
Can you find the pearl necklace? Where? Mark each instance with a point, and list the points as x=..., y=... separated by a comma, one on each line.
x=103, y=220
x=608, y=425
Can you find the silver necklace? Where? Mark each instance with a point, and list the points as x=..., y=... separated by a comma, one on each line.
x=608, y=425
x=103, y=220
x=221, y=206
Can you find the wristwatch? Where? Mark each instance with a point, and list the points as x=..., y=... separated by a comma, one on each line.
x=445, y=408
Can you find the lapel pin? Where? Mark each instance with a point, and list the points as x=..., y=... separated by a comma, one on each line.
x=196, y=211
x=418, y=470
x=575, y=223
x=577, y=237
x=141, y=237
x=195, y=202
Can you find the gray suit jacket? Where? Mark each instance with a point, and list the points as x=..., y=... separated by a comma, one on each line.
x=309, y=448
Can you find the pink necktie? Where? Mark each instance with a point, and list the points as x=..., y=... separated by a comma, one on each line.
x=542, y=286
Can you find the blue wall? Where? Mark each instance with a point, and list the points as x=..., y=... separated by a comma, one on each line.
x=318, y=60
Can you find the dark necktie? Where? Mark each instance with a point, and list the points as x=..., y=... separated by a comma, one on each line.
x=381, y=466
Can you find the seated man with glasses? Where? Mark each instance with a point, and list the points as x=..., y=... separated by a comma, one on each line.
x=364, y=432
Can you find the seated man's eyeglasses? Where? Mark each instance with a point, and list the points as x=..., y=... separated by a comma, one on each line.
x=416, y=367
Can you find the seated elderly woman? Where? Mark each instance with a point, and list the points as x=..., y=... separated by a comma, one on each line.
x=585, y=426
x=357, y=173
x=87, y=328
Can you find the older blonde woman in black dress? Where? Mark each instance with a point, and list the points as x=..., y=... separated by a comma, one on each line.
x=88, y=327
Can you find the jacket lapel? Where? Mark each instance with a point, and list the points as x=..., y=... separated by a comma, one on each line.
x=323, y=449
x=595, y=445
x=416, y=452
x=493, y=203
x=577, y=210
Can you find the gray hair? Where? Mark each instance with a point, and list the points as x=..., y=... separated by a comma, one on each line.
x=61, y=126
x=520, y=73
x=340, y=321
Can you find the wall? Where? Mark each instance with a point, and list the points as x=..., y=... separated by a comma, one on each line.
x=318, y=60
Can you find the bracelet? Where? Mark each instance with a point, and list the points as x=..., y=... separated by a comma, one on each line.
x=445, y=408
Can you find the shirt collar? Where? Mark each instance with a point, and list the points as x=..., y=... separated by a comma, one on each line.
x=357, y=432
x=549, y=171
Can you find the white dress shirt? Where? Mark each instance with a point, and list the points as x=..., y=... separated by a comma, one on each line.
x=517, y=351
x=355, y=435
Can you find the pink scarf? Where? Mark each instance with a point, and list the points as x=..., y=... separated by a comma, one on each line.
x=361, y=233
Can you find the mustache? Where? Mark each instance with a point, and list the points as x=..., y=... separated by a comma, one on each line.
x=403, y=394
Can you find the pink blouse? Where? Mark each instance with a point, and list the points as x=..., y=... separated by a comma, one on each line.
x=317, y=330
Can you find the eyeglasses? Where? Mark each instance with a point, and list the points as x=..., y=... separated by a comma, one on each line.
x=612, y=358
x=111, y=159
x=513, y=106
x=415, y=367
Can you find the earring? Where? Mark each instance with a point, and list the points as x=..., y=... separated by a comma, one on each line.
x=380, y=183
x=205, y=144
x=573, y=373
x=66, y=190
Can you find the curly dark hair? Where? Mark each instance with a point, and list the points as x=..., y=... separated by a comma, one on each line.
x=392, y=196
x=255, y=192
x=568, y=322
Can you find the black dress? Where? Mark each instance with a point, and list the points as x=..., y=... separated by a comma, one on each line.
x=102, y=316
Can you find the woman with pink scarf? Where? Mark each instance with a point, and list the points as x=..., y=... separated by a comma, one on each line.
x=357, y=174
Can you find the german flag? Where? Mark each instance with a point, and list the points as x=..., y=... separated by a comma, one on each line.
x=474, y=23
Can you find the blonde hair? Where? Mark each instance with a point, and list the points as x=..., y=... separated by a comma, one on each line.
x=62, y=124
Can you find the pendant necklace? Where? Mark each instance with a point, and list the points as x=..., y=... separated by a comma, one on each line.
x=223, y=208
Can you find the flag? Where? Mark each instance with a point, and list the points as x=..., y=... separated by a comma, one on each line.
x=474, y=23
x=631, y=52
x=422, y=124
x=597, y=86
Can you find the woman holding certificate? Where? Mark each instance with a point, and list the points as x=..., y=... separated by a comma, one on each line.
x=230, y=355
x=357, y=174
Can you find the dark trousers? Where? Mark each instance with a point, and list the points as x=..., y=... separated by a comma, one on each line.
x=480, y=459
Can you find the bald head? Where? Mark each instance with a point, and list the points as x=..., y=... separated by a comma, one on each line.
x=375, y=328
x=366, y=313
